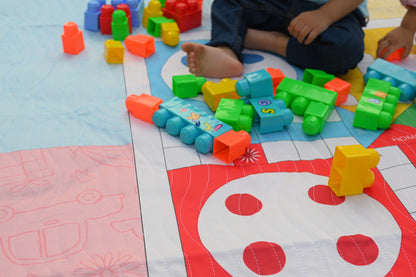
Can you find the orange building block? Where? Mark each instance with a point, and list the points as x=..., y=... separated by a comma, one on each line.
x=140, y=45
x=277, y=77
x=341, y=87
x=350, y=171
x=214, y=92
x=143, y=106
x=231, y=145
x=72, y=39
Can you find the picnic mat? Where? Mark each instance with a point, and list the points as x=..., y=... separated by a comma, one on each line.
x=87, y=190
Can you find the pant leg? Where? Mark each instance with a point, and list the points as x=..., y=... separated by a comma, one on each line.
x=230, y=20
x=337, y=50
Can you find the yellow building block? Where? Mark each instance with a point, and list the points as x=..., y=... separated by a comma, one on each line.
x=153, y=9
x=350, y=171
x=170, y=33
x=113, y=51
x=214, y=92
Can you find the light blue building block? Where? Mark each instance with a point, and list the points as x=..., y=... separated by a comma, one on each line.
x=398, y=76
x=136, y=10
x=255, y=84
x=271, y=114
x=193, y=125
x=92, y=16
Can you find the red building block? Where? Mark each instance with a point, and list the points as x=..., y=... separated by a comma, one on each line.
x=341, y=87
x=187, y=13
x=126, y=9
x=106, y=17
x=143, y=106
x=140, y=45
x=72, y=39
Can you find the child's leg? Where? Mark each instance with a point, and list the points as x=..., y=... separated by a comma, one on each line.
x=211, y=61
x=274, y=42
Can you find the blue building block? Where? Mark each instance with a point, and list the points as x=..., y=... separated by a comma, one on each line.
x=398, y=76
x=115, y=3
x=92, y=16
x=136, y=9
x=102, y=2
x=192, y=124
x=271, y=114
x=255, y=84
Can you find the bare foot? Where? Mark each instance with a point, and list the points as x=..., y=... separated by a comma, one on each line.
x=209, y=61
x=274, y=42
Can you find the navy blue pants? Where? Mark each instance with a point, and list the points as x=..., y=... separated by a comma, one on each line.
x=338, y=49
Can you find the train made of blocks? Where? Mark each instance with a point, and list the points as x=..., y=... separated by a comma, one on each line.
x=191, y=124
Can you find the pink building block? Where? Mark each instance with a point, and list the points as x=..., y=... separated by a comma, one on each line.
x=140, y=45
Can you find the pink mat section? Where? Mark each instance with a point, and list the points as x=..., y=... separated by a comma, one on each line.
x=70, y=211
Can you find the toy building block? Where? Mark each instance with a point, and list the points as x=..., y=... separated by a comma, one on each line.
x=115, y=3
x=120, y=25
x=192, y=124
x=140, y=45
x=143, y=106
x=395, y=56
x=341, y=87
x=136, y=9
x=102, y=2
x=162, y=2
x=92, y=16
x=170, y=33
x=154, y=25
x=153, y=9
x=398, y=76
x=236, y=114
x=272, y=115
x=298, y=96
x=113, y=51
x=231, y=145
x=315, y=117
x=377, y=105
x=72, y=39
x=351, y=169
x=187, y=13
x=316, y=77
x=186, y=86
x=126, y=9
x=277, y=77
x=106, y=17
x=214, y=92
x=255, y=84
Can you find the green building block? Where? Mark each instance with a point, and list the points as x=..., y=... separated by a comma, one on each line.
x=154, y=25
x=235, y=113
x=377, y=105
x=188, y=85
x=315, y=117
x=120, y=25
x=313, y=102
x=317, y=77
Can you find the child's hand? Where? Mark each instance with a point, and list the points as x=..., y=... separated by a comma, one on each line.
x=308, y=25
x=395, y=39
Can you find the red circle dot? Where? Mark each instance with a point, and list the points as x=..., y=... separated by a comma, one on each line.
x=264, y=258
x=243, y=204
x=357, y=249
x=323, y=194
